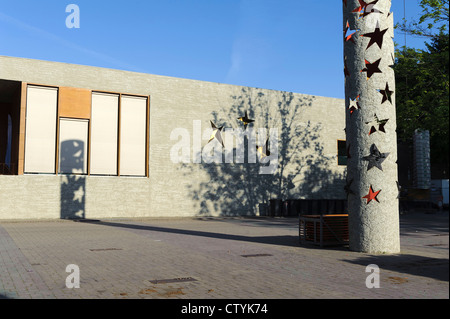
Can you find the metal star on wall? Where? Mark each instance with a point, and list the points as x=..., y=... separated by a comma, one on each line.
x=216, y=134
x=263, y=151
x=245, y=120
x=372, y=195
x=376, y=36
x=387, y=94
x=371, y=68
x=375, y=158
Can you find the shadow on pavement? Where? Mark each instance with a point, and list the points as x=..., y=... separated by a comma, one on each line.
x=285, y=240
x=405, y=263
x=436, y=268
x=420, y=222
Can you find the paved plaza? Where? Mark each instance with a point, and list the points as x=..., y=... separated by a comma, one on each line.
x=213, y=258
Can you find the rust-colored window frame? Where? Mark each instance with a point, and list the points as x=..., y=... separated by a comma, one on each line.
x=22, y=129
x=340, y=156
x=147, y=129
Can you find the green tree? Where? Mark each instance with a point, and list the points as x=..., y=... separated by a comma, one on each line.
x=422, y=76
x=434, y=19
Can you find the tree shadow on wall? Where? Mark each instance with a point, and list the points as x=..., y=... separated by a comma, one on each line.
x=302, y=171
x=73, y=184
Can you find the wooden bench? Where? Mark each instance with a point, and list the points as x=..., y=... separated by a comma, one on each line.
x=324, y=229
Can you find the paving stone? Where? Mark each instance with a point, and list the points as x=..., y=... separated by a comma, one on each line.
x=119, y=259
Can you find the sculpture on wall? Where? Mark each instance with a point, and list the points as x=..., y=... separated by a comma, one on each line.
x=244, y=119
x=216, y=134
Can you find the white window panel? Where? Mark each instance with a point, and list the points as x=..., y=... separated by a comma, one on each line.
x=104, y=130
x=73, y=146
x=133, y=130
x=40, y=131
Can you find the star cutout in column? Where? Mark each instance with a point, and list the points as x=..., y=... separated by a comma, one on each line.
x=375, y=37
x=216, y=134
x=379, y=123
x=375, y=158
x=387, y=94
x=365, y=9
x=372, y=68
x=393, y=61
x=372, y=195
x=347, y=187
x=349, y=33
x=399, y=190
x=245, y=120
x=346, y=71
x=353, y=105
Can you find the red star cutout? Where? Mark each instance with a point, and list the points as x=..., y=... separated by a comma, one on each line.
x=372, y=195
x=349, y=33
x=361, y=6
x=371, y=68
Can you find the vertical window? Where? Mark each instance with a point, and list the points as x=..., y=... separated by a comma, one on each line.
x=104, y=132
x=8, y=143
x=40, y=135
x=73, y=141
x=133, y=135
x=342, y=152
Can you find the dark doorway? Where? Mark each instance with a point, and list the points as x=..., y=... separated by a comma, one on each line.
x=9, y=126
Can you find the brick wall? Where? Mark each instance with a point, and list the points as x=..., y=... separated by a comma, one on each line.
x=308, y=128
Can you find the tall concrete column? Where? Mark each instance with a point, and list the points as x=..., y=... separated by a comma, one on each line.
x=371, y=126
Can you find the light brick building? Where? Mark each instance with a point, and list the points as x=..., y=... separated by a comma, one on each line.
x=81, y=141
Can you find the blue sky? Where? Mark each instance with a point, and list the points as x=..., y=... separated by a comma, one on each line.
x=288, y=45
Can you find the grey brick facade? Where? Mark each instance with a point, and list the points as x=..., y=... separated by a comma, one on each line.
x=308, y=130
